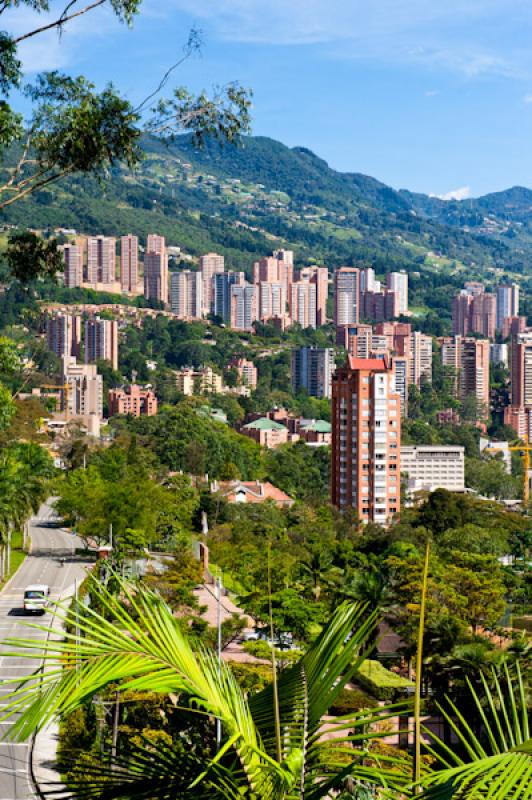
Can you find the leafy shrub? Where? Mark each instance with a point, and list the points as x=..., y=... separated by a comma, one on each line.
x=259, y=649
x=350, y=700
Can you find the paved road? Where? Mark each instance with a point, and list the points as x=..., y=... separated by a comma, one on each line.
x=42, y=566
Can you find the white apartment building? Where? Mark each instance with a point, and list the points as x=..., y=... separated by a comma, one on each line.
x=346, y=296
x=398, y=282
x=85, y=389
x=507, y=302
x=431, y=467
x=186, y=294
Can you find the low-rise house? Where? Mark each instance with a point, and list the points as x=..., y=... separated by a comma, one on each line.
x=251, y=492
x=266, y=432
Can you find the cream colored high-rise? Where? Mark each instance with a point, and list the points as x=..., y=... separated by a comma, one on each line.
x=101, y=259
x=210, y=264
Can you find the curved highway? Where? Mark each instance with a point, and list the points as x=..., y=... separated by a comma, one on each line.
x=48, y=544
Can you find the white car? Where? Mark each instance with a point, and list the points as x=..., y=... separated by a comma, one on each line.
x=36, y=598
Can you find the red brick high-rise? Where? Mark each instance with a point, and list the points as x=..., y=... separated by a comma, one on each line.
x=366, y=439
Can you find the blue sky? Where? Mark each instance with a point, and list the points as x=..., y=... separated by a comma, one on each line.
x=429, y=95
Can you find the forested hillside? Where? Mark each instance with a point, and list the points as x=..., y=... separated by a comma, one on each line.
x=244, y=201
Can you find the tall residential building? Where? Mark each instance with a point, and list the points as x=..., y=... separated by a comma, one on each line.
x=155, y=243
x=286, y=256
x=132, y=400
x=244, y=306
x=156, y=269
x=278, y=268
x=511, y=326
x=101, y=259
x=507, y=303
x=484, y=315
x=129, y=263
x=356, y=339
x=101, y=341
x=85, y=389
x=521, y=370
x=319, y=277
x=222, y=283
x=474, y=311
x=274, y=268
x=401, y=374
x=312, y=369
x=499, y=354
x=380, y=306
x=303, y=304
x=366, y=439
x=272, y=300
x=420, y=358
x=346, y=296
x=73, y=257
x=470, y=358
x=367, y=280
x=186, y=294
x=398, y=282
x=461, y=314
x=398, y=336
x=210, y=265
x=63, y=334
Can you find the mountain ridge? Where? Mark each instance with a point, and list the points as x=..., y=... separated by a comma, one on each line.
x=263, y=194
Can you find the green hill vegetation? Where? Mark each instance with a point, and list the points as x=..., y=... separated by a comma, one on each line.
x=244, y=201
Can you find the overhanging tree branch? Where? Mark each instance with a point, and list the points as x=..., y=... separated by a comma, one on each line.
x=59, y=22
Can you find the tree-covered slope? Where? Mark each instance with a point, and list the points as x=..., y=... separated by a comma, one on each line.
x=244, y=201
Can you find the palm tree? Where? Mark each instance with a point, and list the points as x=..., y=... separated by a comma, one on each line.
x=496, y=762
x=272, y=745
x=23, y=480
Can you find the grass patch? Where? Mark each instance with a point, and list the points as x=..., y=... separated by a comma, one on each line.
x=17, y=554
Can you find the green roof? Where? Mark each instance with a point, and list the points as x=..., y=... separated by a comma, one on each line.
x=318, y=425
x=264, y=424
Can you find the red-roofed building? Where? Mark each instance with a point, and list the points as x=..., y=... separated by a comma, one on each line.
x=251, y=492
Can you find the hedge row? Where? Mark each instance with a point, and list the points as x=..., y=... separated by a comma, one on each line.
x=380, y=682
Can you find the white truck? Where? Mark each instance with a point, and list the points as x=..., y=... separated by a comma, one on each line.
x=36, y=598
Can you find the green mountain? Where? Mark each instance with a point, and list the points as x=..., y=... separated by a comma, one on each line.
x=245, y=201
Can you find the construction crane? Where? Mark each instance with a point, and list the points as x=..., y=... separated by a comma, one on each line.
x=524, y=451
x=65, y=387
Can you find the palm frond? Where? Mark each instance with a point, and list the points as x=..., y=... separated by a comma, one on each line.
x=136, y=644
x=495, y=763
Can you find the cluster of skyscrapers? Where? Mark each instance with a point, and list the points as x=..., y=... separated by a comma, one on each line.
x=92, y=338
x=476, y=311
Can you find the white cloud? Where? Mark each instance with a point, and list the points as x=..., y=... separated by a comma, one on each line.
x=455, y=34
x=527, y=98
x=432, y=93
x=455, y=194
